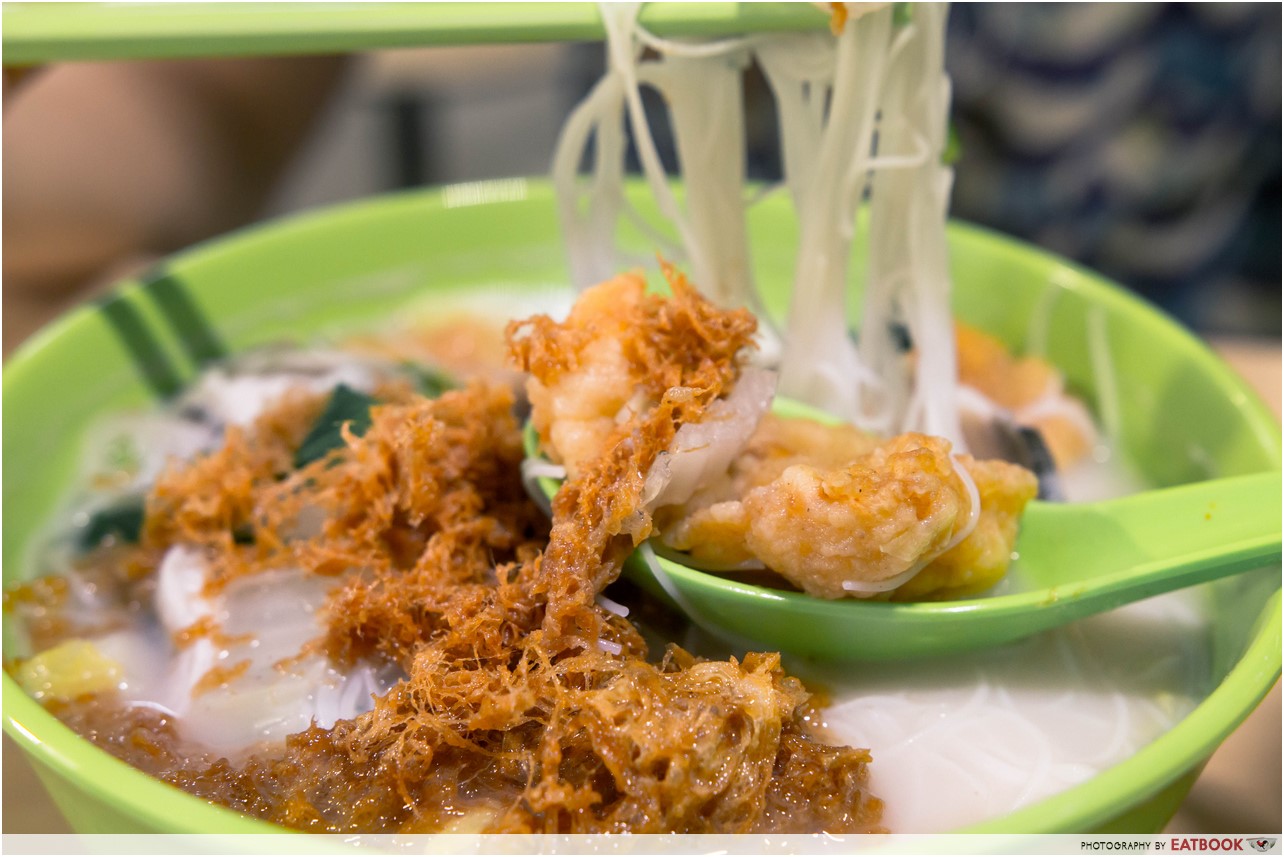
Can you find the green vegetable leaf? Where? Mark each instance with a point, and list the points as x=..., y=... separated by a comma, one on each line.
x=953, y=147
x=431, y=382
x=123, y=519
x=346, y=405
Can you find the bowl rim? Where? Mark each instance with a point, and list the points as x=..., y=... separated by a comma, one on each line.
x=150, y=801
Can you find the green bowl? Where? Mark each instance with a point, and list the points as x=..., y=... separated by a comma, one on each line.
x=1181, y=415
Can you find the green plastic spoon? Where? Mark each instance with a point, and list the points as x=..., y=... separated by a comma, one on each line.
x=1075, y=559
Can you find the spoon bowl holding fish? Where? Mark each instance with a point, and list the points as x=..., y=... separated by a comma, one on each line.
x=1071, y=560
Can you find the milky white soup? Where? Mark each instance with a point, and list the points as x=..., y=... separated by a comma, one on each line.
x=966, y=739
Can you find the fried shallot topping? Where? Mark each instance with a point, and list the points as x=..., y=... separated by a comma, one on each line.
x=525, y=705
x=609, y=389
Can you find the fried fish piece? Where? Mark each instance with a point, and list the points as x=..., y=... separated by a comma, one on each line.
x=869, y=528
x=1028, y=388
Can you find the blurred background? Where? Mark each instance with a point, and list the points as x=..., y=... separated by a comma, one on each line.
x=1140, y=139
x=1143, y=140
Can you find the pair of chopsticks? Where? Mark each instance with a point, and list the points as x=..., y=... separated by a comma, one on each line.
x=57, y=32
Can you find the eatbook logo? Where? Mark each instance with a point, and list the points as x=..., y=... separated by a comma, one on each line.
x=1261, y=844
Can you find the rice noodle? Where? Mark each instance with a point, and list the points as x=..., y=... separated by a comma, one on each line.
x=534, y=469
x=974, y=504
x=611, y=648
x=1036, y=339
x=1103, y=370
x=860, y=115
x=870, y=587
x=612, y=606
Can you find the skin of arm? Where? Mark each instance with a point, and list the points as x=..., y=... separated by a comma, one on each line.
x=110, y=165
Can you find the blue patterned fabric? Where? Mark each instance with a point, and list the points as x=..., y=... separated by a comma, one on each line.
x=1141, y=139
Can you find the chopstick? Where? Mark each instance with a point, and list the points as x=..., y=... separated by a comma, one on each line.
x=55, y=32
